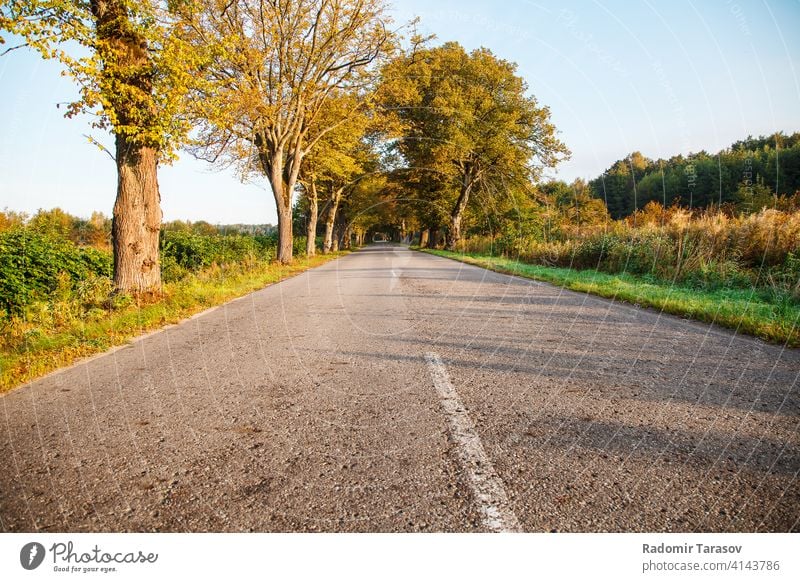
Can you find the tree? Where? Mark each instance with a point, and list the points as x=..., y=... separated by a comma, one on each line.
x=469, y=117
x=703, y=179
x=133, y=72
x=280, y=62
x=339, y=159
x=53, y=222
x=10, y=219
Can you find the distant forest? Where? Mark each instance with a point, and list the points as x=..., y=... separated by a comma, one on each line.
x=749, y=175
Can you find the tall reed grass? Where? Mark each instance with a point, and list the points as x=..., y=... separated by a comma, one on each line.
x=708, y=250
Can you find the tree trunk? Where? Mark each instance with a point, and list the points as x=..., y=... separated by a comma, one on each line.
x=137, y=219
x=273, y=165
x=454, y=236
x=433, y=238
x=285, y=239
x=313, y=211
x=423, y=238
x=330, y=220
x=128, y=67
x=340, y=231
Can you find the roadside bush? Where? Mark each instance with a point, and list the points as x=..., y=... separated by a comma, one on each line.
x=33, y=266
x=42, y=265
x=182, y=251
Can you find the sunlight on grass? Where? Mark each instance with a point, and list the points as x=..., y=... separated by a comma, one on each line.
x=744, y=310
x=46, y=349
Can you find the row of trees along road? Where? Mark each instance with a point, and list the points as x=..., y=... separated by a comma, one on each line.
x=317, y=97
x=262, y=81
x=468, y=124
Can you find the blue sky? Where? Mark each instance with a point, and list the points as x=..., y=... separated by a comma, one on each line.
x=658, y=77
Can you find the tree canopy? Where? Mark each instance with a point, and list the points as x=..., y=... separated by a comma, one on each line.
x=134, y=70
x=281, y=64
x=468, y=121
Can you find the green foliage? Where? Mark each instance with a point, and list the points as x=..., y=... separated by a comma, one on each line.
x=468, y=124
x=194, y=251
x=767, y=312
x=33, y=266
x=751, y=175
x=41, y=265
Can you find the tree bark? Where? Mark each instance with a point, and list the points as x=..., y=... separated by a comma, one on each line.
x=137, y=219
x=330, y=221
x=423, y=238
x=340, y=230
x=313, y=212
x=454, y=236
x=433, y=238
x=136, y=222
x=285, y=239
x=282, y=185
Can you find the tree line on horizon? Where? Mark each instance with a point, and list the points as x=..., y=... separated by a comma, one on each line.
x=747, y=176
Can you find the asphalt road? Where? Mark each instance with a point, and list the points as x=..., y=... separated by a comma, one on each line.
x=396, y=391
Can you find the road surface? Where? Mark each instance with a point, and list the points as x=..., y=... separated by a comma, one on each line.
x=397, y=391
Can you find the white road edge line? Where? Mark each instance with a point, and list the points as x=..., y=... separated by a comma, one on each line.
x=487, y=487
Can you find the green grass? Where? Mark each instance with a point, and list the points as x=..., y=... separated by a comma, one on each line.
x=751, y=311
x=34, y=350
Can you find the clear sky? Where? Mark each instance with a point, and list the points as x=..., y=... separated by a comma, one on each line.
x=660, y=77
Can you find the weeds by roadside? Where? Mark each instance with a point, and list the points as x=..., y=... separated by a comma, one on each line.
x=76, y=323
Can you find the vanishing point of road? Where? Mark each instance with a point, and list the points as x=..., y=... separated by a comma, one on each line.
x=392, y=390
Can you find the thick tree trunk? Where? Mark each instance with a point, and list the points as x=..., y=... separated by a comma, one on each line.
x=330, y=221
x=454, y=236
x=327, y=244
x=137, y=219
x=423, y=238
x=311, y=227
x=136, y=222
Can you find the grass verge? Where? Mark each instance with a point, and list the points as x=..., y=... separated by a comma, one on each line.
x=46, y=349
x=748, y=311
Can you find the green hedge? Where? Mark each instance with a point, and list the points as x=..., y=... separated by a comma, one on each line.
x=185, y=252
x=37, y=266
x=33, y=266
